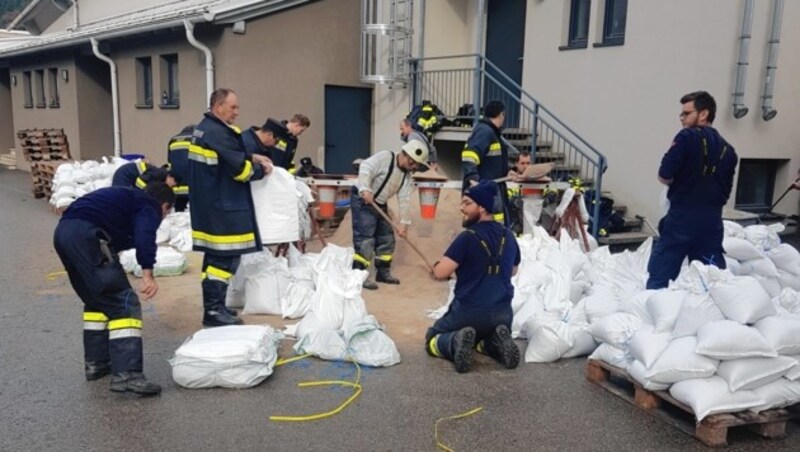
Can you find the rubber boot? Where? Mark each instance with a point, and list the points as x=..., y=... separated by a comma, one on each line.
x=134, y=382
x=367, y=284
x=214, y=311
x=463, y=343
x=504, y=349
x=97, y=362
x=384, y=275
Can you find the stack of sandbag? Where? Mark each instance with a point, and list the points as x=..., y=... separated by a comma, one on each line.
x=176, y=231
x=715, y=340
x=71, y=181
x=239, y=356
x=757, y=251
x=169, y=262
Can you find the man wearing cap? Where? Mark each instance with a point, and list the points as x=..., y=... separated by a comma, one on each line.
x=139, y=173
x=223, y=218
x=380, y=177
x=261, y=141
x=484, y=257
x=485, y=155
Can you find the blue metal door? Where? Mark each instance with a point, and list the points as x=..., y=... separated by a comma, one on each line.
x=348, y=127
x=505, y=47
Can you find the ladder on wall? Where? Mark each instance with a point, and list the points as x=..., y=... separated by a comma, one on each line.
x=386, y=39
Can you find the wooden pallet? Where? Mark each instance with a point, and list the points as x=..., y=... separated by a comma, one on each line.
x=712, y=430
x=42, y=173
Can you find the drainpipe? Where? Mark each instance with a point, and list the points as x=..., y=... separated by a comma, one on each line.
x=739, y=109
x=76, y=23
x=209, y=57
x=114, y=93
x=767, y=112
x=476, y=92
x=421, y=39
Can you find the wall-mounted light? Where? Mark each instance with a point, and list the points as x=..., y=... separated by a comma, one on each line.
x=65, y=75
x=13, y=80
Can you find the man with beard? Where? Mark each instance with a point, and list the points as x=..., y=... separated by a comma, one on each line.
x=484, y=257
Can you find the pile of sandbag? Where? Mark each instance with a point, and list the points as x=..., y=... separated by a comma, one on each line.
x=757, y=251
x=176, y=231
x=169, y=262
x=71, y=181
x=718, y=342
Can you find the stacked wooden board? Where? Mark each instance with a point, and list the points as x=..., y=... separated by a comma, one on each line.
x=43, y=145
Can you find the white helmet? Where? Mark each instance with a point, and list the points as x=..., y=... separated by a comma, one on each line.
x=417, y=150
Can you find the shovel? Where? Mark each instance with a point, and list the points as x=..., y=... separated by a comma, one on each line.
x=397, y=229
x=536, y=171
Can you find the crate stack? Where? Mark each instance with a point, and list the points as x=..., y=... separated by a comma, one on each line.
x=40, y=147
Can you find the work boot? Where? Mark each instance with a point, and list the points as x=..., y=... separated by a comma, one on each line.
x=384, y=275
x=506, y=350
x=369, y=285
x=232, y=312
x=134, y=382
x=219, y=316
x=463, y=343
x=96, y=371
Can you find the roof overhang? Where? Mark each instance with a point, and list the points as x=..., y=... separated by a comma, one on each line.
x=40, y=14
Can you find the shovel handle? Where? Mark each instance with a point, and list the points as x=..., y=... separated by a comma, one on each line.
x=397, y=229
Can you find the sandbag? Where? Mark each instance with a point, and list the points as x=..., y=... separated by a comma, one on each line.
x=611, y=355
x=275, y=203
x=548, y=339
x=266, y=281
x=324, y=344
x=600, y=304
x=764, y=237
x=788, y=280
x=742, y=299
x=529, y=308
x=751, y=373
x=696, y=311
x=664, y=306
x=583, y=343
x=369, y=345
x=680, y=362
x=238, y=356
x=740, y=249
x=297, y=301
x=786, y=258
x=726, y=339
x=637, y=370
x=615, y=329
x=783, y=334
x=794, y=372
x=733, y=229
x=771, y=285
x=761, y=266
x=778, y=394
x=646, y=346
x=636, y=304
x=706, y=396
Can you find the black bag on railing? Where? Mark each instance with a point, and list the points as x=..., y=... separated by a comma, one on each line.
x=465, y=115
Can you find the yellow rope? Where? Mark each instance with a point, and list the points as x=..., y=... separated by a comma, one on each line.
x=52, y=276
x=283, y=361
x=356, y=385
x=440, y=444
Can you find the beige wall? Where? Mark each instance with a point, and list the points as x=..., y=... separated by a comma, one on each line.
x=95, y=114
x=6, y=123
x=624, y=99
x=65, y=117
x=94, y=10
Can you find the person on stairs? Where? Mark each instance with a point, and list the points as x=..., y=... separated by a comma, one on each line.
x=383, y=175
x=484, y=257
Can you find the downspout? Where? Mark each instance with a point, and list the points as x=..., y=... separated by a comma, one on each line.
x=76, y=22
x=114, y=94
x=209, y=57
x=767, y=112
x=476, y=90
x=421, y=39
x=739, y=109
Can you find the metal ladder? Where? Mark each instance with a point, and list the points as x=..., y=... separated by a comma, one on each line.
x=386, y=35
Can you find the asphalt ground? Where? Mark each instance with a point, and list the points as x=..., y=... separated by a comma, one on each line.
x=45, y=403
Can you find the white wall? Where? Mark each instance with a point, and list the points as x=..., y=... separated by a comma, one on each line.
x=625, y=100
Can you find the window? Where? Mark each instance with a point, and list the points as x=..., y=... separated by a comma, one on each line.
x=144, y=82
x=170, y=94
x=614, y=17
x=28, y=88
x=38, y=79
x=756, y=184
x=52, y=86
x=578, y=35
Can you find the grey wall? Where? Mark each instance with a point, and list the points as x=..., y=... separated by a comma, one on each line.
x=6, y=124
x=95, y=114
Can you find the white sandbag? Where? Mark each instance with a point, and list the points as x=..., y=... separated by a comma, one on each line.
x=790, y=300
x=771, y=285
x=750, y=373
x=636, y=304
x=786, y=258
x=548, y=340
x=646, y=346
x=168, y=262
x=764, y=237
x=778, y=394
x=600, y=304
x=181, y=240
x=612, y=355
x=697, y=277
x=790, y=280
x=234, y=299
x=680, y=362
x=324, y=344
x=783, y=334
x=529, y=308
x=794, y=372
x=583, y=343
x=615, y=329
x=577, y=289
x=733, y=265
x=369, y=345
x=761, y=266
x=297, y=301
x=742, y=299
x=664, y=306
x=726, y=339
x=740, y=249
x=637, y=370
x=706, y=396
x=733, y=229
x=266, y=281
x=696, y=311
x=275, y=202
x=238, y=356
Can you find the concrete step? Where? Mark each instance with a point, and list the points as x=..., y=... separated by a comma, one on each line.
x=624, y=238
x=632, y=223
x=549, y=156
x=525, y=145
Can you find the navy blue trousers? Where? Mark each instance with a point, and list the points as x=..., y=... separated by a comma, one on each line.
x=439, y=338
x=692, y=234
x=371, y=233
x=112, y=314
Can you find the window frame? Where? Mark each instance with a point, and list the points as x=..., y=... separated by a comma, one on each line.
x=573, y=26
x=40, y=96
x=27, y=85
x=773, y=166
x=608, y=38
x=170, y=86
x=144, y=82
x=52, y=88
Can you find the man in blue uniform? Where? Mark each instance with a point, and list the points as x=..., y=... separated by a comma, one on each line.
x=223, y=218
x=91, y=232
x=484, y=257
x=699, y=169
x=178, y=158
x=261, y=140
x=283, y=152
x=485, y=155
x=139, y=173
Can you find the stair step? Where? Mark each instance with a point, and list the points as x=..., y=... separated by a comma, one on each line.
x=632, y=222
x=621, y=238
x=525, y=145
x=548, y=156
x=517, y=131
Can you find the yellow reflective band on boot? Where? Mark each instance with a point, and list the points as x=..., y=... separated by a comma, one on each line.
x=468, y=155
x=123, y=328
x=140, y=183
x=217, y=274
x=179, y=145
x=247, y=172
x=479, y=348
x=224, y=242
x=181, y=189
x=361, y=259
x=433, y=348
x=384, y=257
x=203, y=155
x=94, y=321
